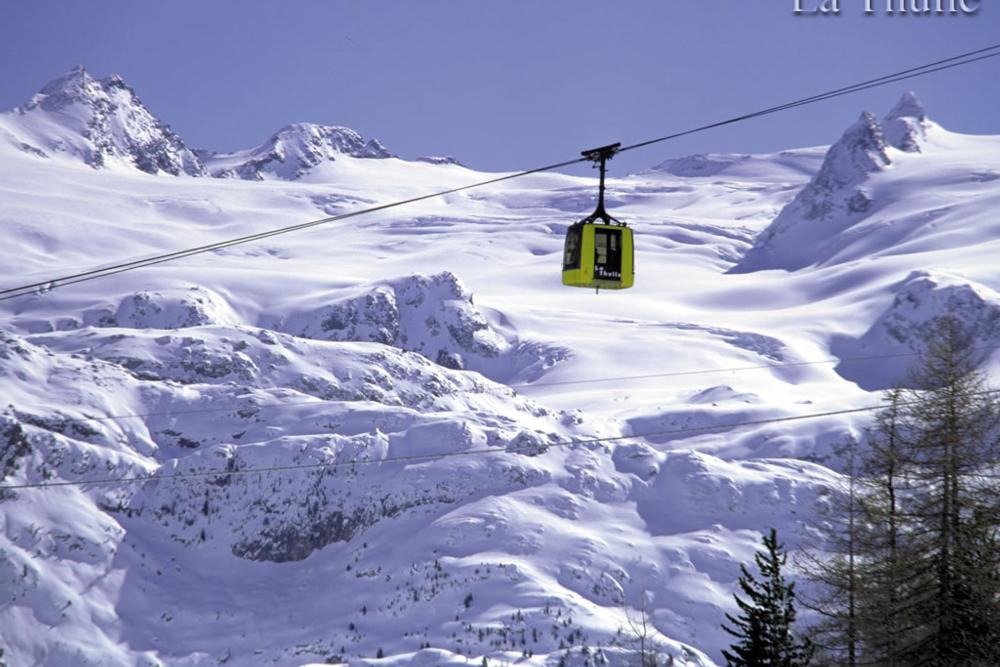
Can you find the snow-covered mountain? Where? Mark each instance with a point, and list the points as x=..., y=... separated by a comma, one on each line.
x=906, y=126
x=902, y=329
x=100, y=122
x=464, y=459
x=104, y=123
x=439, y=159
x=292, y=152
x=902, y=185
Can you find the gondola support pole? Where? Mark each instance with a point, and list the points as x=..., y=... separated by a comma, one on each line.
x=601, y=156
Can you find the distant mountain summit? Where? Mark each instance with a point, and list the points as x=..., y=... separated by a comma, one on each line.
x=860, y=151
x=101, y=122
x=905, y=127
x=293, y=151
x=840, y=196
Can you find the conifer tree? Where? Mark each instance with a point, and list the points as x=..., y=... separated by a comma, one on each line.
x=954, y=511
x=978, y=590
x=764, y=625
x=891, y=560
x=923, y=513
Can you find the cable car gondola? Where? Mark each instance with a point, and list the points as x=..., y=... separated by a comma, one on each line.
x=598, y=251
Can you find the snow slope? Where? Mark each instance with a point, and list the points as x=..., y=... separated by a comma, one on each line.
x=440, y=332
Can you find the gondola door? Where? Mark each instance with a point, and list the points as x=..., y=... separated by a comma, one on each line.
x=607, y=253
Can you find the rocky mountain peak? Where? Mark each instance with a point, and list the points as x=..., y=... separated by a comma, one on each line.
x=860, y=151
x=908, y=106
x=102, y=121
x=294, y=150
x=833, y=200
x=76, y=85
x=329, y=138
x=905, y=127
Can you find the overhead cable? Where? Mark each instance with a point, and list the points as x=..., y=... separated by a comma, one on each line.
x=54, y=282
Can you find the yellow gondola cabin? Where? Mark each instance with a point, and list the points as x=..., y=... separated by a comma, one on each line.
x=598, y=256
x=599, y=250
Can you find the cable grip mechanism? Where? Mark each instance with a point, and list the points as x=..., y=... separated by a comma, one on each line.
x=600, y=156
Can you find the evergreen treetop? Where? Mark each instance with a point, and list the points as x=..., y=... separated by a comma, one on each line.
x=764, y=625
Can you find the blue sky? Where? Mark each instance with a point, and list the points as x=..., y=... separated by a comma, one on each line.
x=502, y=85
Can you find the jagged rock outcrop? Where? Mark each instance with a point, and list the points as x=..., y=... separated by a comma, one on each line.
x=293, y=151
x=432, y=315
x=439, y=159
x=177, y=309
x=901, y=332
x=101, y=122
x=905, y=127
x=833, y=200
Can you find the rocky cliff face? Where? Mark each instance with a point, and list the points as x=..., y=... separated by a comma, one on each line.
x=900, y=334
x=432, y=315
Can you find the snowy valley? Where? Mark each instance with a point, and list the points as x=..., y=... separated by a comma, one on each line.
x=559, y=459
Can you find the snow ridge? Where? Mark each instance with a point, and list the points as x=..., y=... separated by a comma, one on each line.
x=700, y=164
x=293, y=151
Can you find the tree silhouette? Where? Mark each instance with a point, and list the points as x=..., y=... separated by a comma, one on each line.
x=764, y=626
x=923, y=586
